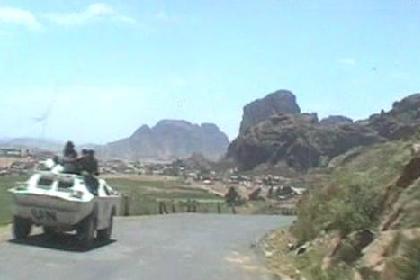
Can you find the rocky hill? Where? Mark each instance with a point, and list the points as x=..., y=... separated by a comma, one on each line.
x=32, y=144
x=170, y=139
x=359, y=218
x=401, y=122
x=281, y=101
x=301, y=141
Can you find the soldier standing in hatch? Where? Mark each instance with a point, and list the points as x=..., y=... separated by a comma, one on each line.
x=88, y=163
x=89, y=169
x=69, y=150
x=69, y=158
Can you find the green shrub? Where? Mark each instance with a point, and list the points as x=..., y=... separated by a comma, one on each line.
x=343, y=209
x=348, y=197
x=354, y=208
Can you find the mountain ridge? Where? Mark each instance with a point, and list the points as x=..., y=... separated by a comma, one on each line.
x=300, y=141
x=170, y=139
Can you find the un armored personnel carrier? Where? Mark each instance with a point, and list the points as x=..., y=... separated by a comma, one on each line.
x=61, y=202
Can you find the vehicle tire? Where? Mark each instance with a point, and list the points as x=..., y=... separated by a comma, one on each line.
x=21, y=227
x=86, y=232
x=105, y=234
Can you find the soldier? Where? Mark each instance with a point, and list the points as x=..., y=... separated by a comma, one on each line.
x=93, y=167
x=69, y=150
x=82, y=160
x=69, y=158
x=89, y=169
x=232, y=198
x=88, y=163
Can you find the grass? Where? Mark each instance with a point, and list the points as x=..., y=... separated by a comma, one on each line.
x=375, y=166
x=349, y=197
x=6, y=182
x=306, y=266
x=144, y=195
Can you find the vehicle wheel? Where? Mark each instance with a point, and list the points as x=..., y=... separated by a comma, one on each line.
x=105, y=234
x=86, y=232
x=21, y=227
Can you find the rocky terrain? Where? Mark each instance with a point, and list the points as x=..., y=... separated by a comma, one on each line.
x=170, y=139
x=359, y=218
x=283, y=136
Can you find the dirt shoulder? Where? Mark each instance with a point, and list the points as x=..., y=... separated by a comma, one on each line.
x=278, y=259
x=5, y=232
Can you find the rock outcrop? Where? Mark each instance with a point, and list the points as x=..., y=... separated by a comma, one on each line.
x=281, y=101
x=274, y=131
x=170, y=139
x=297, y=141
x=401, y=122
x=335, y=120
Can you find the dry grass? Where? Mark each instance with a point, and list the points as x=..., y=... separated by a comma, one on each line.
x=7, y=182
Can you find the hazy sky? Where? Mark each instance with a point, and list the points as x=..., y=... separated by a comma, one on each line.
x=96, y=71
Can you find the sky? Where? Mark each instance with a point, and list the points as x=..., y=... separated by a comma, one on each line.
x=96, y=71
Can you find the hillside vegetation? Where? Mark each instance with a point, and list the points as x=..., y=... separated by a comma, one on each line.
x=349, y=198
x=7, y=182
x=359, y=220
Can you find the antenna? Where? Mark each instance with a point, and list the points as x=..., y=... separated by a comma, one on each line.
x=41, y=119
x=44, y=117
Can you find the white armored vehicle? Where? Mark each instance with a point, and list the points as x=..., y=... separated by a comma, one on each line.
x=64, y=202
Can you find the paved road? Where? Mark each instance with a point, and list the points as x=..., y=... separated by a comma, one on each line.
x=171, y=247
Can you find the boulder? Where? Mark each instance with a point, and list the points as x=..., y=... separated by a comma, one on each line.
x=361, y=239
